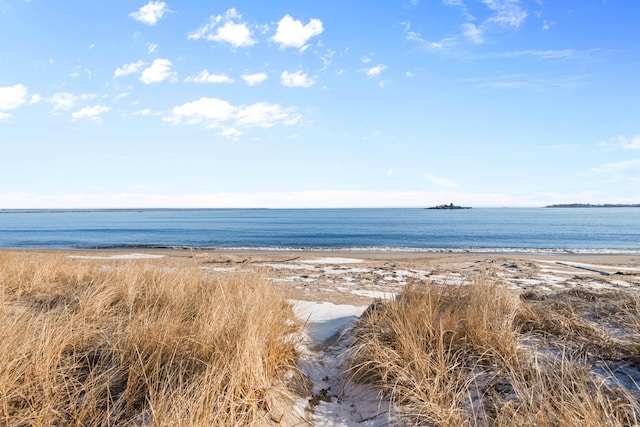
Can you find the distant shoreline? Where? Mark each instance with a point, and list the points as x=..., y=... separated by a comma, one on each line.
x=589, y=205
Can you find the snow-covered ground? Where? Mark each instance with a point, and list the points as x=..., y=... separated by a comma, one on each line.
x=334, y=400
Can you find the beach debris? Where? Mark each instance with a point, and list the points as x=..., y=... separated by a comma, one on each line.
x=602, y=273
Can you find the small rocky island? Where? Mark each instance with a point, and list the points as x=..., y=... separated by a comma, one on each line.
x=449, y=206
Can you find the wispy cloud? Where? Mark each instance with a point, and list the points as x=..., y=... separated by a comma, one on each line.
x=507, y=12
x=616, y=167
x=293, y=33
x=473, y=33
x=554, y=54
x=126, y=69
x=296, y=79
x=621, y=142
x=227, y=28
x=150, y=13
x=443, y=182
x=63, y=101
x=205, y=77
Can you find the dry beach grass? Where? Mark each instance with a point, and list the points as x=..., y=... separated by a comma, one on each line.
x=140, y=344
x=480, y=354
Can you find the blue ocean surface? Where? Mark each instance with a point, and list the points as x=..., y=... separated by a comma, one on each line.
x=571, y=230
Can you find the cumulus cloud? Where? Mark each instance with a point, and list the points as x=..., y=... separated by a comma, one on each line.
x=293, y=33
x=254, y=79
x=219, y=114
x=11, y=97
x=225, y=28
x=150, y=13
x=205, y=77
x=126, y=69
x=158, y=71
x=443, y=182
x=297, y=79
x=90, y=113
x=375, y=70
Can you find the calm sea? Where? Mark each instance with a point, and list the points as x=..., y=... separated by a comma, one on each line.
x=573, y=230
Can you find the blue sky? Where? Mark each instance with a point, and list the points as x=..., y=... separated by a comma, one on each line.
x=318, y=103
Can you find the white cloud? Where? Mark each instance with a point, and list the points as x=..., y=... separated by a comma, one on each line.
x=375, y=71
x=143, y=112
x=12, y=97
x=292, y=33
x=254, y=79
x=91, y=113
x=231, y=133
x=232, y=30
x=205, y=111
x=410, y=74
x=205, y=77
x=151, y=47
x=547, y=24
x=158, y=71
x=150, y=13
x=265, y=115
x=5, y=116
x=297, y=79
x=63, y=101
x=219, y=114
x=443, y=182
x=35, y=98
x=472, y=32
x=126, y=69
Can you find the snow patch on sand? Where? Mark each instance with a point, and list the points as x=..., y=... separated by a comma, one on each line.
x=333, y=260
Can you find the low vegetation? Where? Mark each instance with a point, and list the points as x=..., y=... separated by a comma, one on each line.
x=138, y=343
x=483, y=355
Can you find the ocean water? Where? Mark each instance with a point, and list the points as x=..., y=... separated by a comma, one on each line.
x=570, y=230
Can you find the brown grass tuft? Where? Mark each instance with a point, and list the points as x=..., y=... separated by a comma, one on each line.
x=481, y=355
x=138, y=343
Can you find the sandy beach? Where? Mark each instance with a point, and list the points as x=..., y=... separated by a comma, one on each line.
x=358, y=278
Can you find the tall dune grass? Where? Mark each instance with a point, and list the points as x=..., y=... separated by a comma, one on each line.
x=479, y=355
x=136, y=343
